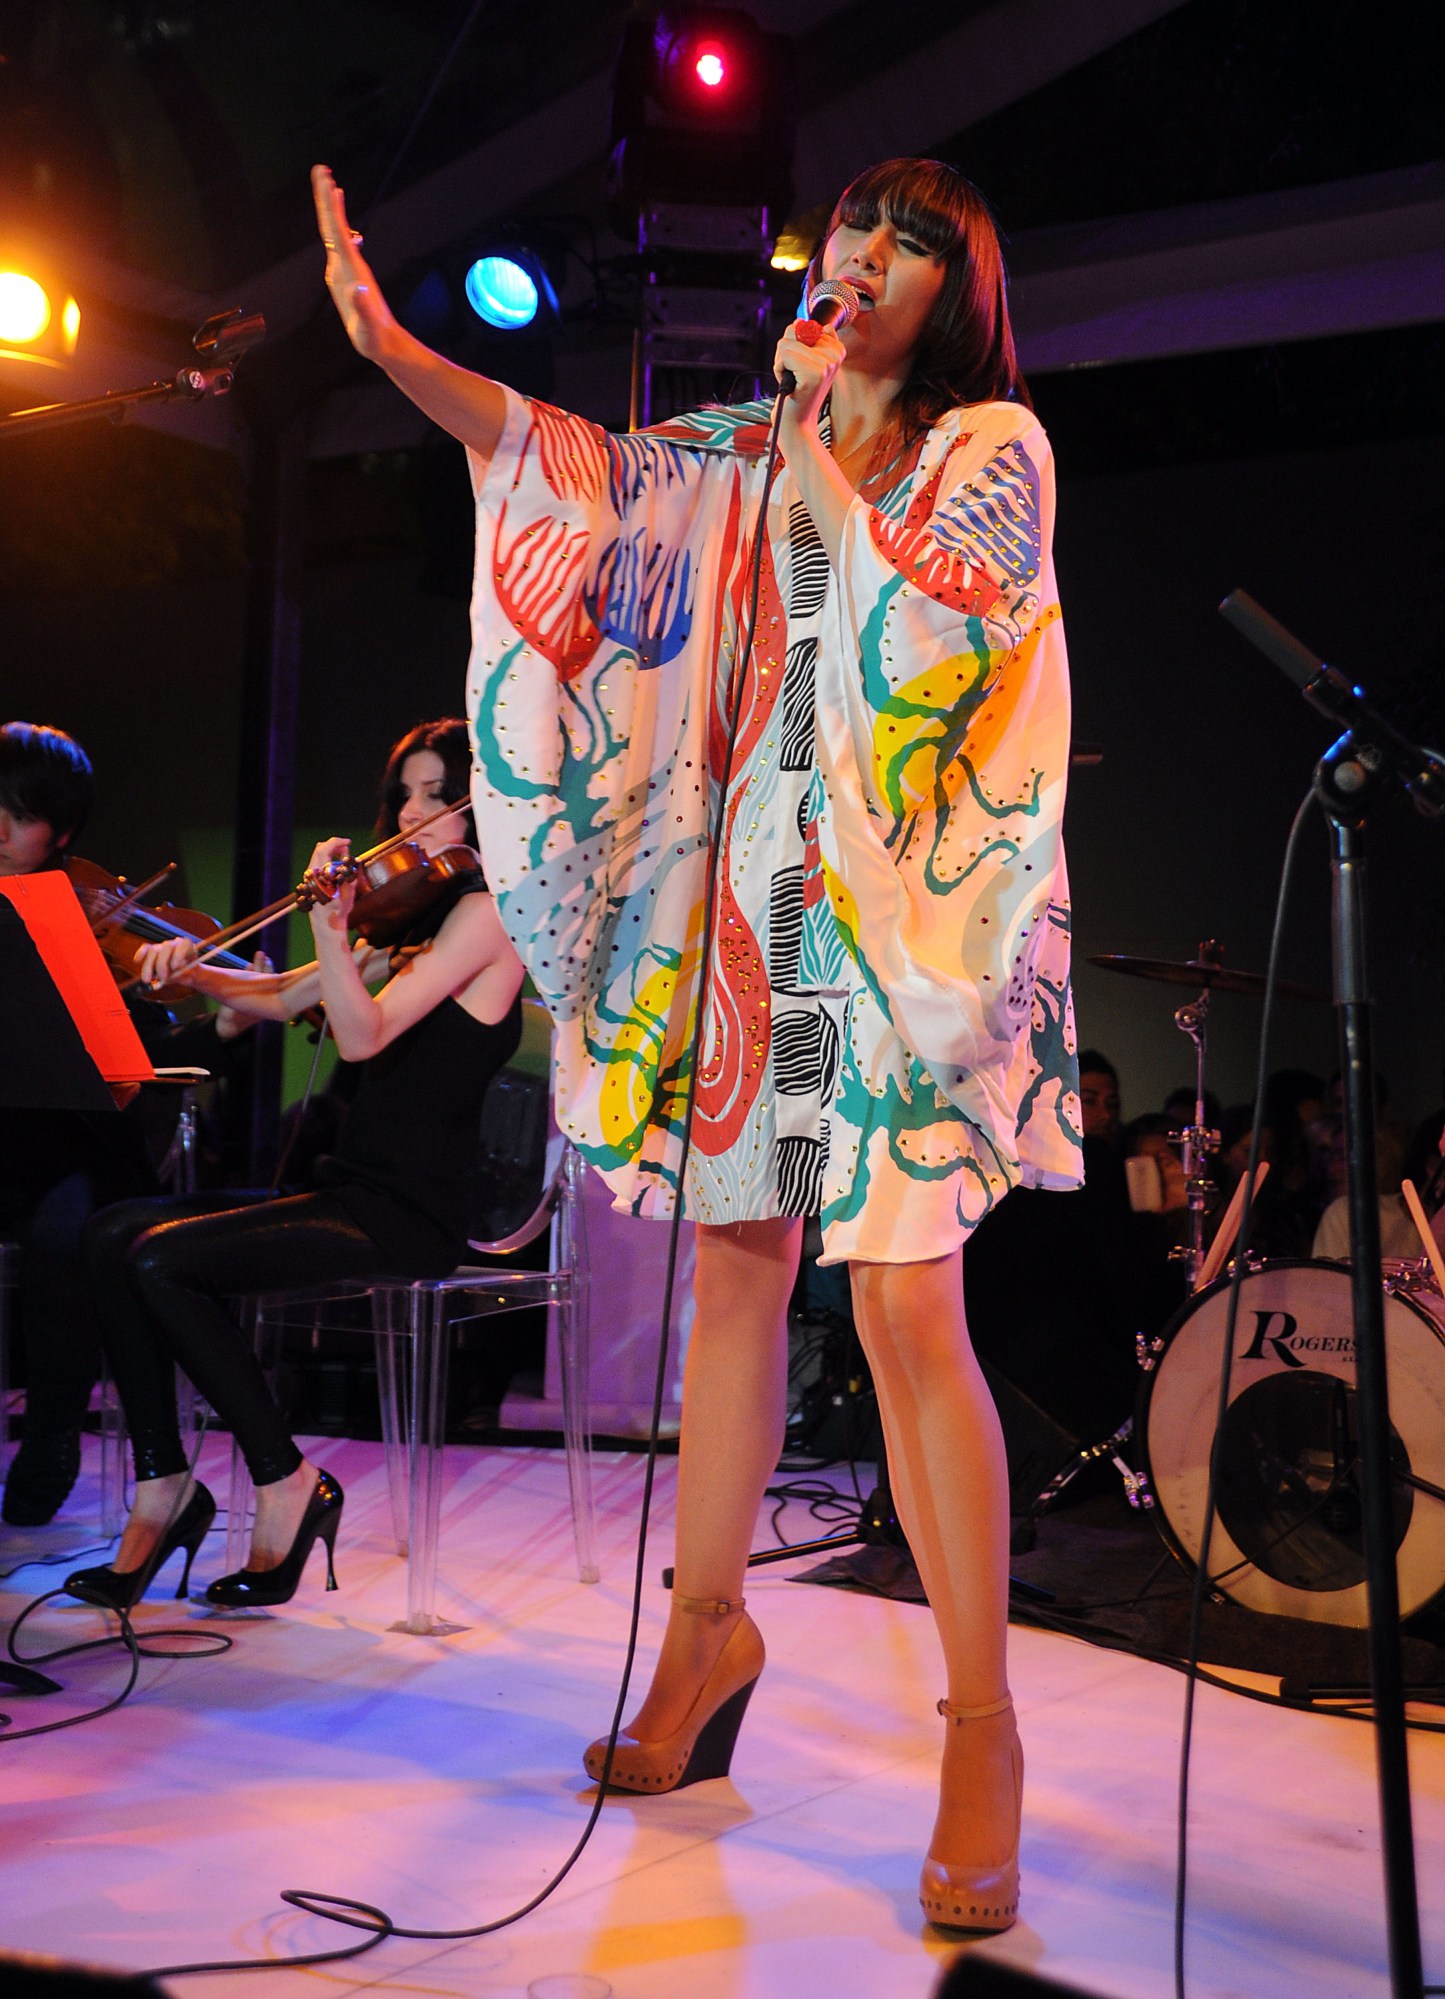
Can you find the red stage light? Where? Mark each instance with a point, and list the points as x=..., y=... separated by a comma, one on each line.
x=710, y=68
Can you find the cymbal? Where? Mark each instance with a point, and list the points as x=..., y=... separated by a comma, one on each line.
x=1203, y=972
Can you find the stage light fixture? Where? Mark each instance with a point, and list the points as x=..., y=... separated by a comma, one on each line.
x=39, y=319
x=702, y=111
x=510, y=289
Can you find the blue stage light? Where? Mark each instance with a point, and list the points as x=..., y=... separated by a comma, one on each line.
x=500, y=291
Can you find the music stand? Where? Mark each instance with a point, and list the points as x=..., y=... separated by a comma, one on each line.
x=65, y=1034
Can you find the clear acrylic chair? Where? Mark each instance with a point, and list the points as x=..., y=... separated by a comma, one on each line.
x=424, y=1315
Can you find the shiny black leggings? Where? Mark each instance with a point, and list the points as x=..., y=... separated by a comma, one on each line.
x=162, y=1272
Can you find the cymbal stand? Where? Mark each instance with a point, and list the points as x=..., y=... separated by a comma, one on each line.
x=1197, y=1142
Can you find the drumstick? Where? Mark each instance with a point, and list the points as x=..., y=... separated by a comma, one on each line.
x=1427, y=1235
x=1223, y=1243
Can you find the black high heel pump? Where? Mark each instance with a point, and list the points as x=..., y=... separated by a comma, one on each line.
x=258, y=1588
x=121, y=1590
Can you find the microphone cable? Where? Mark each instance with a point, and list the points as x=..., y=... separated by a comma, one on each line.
x=1203, y=1581
x=196, y=1644
x=345, y=1909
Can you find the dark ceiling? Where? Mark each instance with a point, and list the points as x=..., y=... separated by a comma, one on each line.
x=1173, y=178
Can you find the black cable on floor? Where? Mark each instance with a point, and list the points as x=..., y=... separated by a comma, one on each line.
x=364, y=1915
x=196, y=1644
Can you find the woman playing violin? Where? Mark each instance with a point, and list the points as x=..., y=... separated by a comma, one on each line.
x=394, y=1198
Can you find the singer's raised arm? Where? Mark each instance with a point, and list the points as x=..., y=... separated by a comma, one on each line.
x=468, y=405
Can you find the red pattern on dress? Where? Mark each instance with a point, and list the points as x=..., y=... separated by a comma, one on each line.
x=949, y=578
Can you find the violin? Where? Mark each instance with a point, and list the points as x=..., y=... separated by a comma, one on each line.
x=403, y=886
x=322, y=884
x=122, y=927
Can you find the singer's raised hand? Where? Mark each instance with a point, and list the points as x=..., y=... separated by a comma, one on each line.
x=364, y=312
x=469, y=406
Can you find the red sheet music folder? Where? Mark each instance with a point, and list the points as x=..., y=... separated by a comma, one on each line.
x=56, y=923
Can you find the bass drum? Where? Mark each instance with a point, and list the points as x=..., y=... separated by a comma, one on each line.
x=1287, y=1530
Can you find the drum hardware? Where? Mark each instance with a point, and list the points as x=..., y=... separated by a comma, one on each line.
x=1198, y=1142
x=1136, y=1484
x=1147, y=1351
x=1287, y=1536
x=1420, y=1214
x=1208, y=971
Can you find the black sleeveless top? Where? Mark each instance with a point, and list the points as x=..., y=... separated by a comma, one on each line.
x=405, y=1161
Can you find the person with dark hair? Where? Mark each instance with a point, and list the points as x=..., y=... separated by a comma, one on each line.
x=47, y=789
x=443, y=754
x=52, y=1159
x=394, y=1198
x=887, y=1034
x=60, y=1165
x=1294, y=1142
x=1099, y=1096
x=1180, y=1105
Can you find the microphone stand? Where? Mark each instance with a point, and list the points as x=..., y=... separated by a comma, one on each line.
x=220, y=342
x=1370, y=758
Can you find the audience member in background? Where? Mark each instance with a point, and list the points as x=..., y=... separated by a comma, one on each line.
x=1236, y=1130
x=1294, y=1142
x=1416, y=1161
x=61, y=1165
x=1179, y=1108
x=1425, y=1168
x=1159, y=1189
x=1099, y=1095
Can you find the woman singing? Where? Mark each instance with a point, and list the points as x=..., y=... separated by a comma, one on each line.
x=393, y=1199
x=887, y=1037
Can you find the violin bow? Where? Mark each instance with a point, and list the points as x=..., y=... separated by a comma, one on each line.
x=132, y=896
x=249, y=925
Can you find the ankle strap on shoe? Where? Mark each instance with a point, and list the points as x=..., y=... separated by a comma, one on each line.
x=952, y=1713
x=708, y=1606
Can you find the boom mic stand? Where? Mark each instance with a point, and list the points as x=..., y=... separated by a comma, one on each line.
x=220, y=343
x=1368, y=759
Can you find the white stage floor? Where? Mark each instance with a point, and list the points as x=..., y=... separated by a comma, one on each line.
x=439, y=1778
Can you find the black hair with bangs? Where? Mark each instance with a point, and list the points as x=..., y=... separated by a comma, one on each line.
x=966, y=352
x=447, y=739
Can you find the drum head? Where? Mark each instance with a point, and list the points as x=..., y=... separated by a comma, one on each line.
x=1287, y=1533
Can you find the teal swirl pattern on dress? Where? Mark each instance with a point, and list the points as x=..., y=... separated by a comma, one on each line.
x=888, y=1038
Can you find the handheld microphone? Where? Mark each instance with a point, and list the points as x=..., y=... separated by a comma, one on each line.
x=833, y=303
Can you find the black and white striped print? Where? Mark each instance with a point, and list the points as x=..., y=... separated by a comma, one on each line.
x=807, y=565
x=800, y=1174
x=796, y=734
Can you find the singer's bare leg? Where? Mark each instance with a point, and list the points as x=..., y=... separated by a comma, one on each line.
x=949, y=1478
x=734, y=1406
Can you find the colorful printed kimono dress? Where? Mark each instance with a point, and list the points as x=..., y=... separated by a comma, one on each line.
x=888, y=1040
